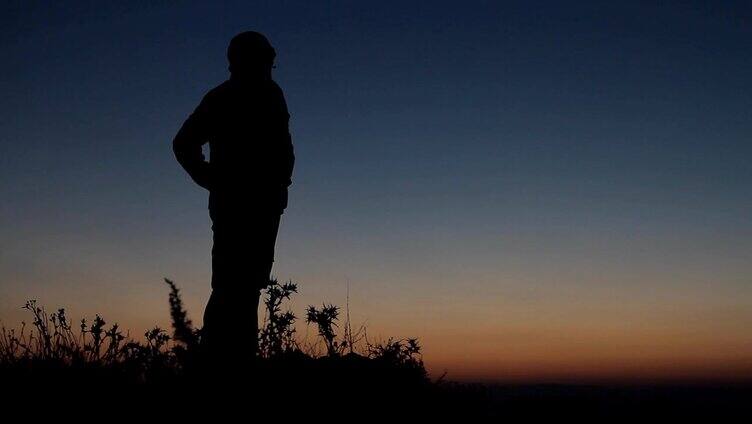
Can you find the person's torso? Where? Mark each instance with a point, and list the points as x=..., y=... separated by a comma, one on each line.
x=248, y=129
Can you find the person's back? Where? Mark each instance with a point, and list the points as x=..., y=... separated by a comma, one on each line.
x=245, y=122
x=251, y=152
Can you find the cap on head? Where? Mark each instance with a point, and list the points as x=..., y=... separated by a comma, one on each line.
x=250, y=49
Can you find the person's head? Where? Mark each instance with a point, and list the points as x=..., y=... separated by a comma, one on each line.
x=250, y=55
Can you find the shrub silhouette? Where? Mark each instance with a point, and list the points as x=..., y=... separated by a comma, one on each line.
x=95, y=352
x=182, y=327
x=93, y=364
x=277, y=334
x=98, y=360
x=326, y=320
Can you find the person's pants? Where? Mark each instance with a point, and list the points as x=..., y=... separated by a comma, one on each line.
x=242, y=258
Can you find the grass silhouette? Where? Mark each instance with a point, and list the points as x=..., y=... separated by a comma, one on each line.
x=52, y=339
x=55, y=365
x=95, y=354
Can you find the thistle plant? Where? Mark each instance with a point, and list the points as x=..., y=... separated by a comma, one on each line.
x=277, y=334
x=326, y=320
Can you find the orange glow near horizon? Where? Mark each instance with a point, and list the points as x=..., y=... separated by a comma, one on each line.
x=558, y=338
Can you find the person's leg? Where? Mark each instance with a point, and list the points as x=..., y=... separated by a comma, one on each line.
x=242, y=259
x=217, y=334
x=214, y=332
x=267, y=238
x=260, y=262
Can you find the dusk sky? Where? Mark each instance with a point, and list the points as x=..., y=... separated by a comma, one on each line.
x=535, y=190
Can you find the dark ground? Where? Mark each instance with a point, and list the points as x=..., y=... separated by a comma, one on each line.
x=348, y=390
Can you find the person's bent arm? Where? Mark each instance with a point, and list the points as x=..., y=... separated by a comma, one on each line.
x=188, y=145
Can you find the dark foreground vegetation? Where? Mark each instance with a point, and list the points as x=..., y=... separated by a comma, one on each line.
x=94, y=363
x=59, y=367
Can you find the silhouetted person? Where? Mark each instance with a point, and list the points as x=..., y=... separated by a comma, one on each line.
x=245, y=122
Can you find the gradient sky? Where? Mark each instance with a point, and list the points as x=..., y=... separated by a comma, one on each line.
x=536, y=190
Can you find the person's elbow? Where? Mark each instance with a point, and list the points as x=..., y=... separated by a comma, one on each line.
x=177, y=148
x=181, y=145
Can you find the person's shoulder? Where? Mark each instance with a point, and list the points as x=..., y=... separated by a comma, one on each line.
x=213, y=98
x=218, y=92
